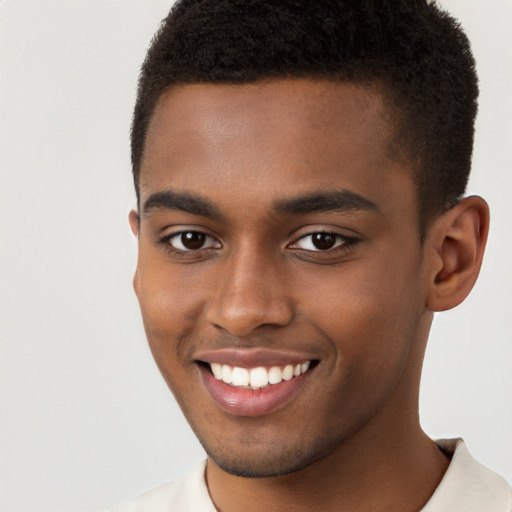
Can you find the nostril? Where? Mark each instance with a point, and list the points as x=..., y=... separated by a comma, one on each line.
x=241, y=319
x=250, y=294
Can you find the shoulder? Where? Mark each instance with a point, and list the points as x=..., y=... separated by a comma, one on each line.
x=188, y=494
x=468, y=485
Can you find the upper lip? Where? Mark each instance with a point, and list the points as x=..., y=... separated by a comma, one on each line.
x=251, y=358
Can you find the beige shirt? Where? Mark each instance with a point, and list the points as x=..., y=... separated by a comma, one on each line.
x=467, y=486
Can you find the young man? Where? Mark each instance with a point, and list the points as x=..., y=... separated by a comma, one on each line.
x=300, y=169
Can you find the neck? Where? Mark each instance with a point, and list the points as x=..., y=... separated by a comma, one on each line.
x=388, y=465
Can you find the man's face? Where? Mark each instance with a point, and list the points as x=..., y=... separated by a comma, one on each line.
x=279, y=241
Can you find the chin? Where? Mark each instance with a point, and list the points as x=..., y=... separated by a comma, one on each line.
x=272, y=461
x=258, y=468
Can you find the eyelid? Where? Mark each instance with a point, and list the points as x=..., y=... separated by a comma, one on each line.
x=344, y=242
x=340, y=240
x=177, y=236
x=166, y=240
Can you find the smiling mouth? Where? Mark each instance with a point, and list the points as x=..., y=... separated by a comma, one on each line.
x=253, y=383
x=259, y=377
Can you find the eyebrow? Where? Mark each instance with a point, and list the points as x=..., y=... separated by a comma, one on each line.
x=181, y=201
x=339, y=201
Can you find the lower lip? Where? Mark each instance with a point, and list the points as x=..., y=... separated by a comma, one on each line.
x=251, y=402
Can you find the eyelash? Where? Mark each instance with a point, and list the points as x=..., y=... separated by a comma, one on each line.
x=342, y=243
x=166, y=242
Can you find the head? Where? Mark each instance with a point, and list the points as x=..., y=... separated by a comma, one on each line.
x=299, y=167
x=416, y=54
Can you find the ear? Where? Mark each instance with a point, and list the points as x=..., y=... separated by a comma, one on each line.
x=134, y=220
x=457, y=241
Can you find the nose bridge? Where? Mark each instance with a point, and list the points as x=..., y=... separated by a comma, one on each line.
x=250, y=291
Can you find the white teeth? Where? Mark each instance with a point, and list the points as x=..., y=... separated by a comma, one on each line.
x=240, y=377
x=258, y=377
x=227, y=374
x=288, y=372
x=275, y=375
x=217, y=370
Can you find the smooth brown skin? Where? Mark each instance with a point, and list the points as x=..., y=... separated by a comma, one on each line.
x=351, y=438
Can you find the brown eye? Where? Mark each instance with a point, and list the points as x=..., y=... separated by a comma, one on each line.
x=192, y=241
x=323, y=241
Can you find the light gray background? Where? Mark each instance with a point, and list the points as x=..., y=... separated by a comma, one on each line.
x=86, y=420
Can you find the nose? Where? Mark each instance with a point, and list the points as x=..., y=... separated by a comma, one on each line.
x=251, y=292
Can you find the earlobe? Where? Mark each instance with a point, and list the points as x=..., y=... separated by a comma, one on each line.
x=134, y=220
x=458, y=240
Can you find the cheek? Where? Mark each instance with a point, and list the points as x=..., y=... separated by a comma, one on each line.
x=169, y=328
x=170, y=309
x=168, y=296
x=369, y=312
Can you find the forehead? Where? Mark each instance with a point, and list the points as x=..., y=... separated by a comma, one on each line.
x=283, y=99
x=281, y=136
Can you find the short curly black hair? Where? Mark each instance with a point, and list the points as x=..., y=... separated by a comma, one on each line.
x=412, y=49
